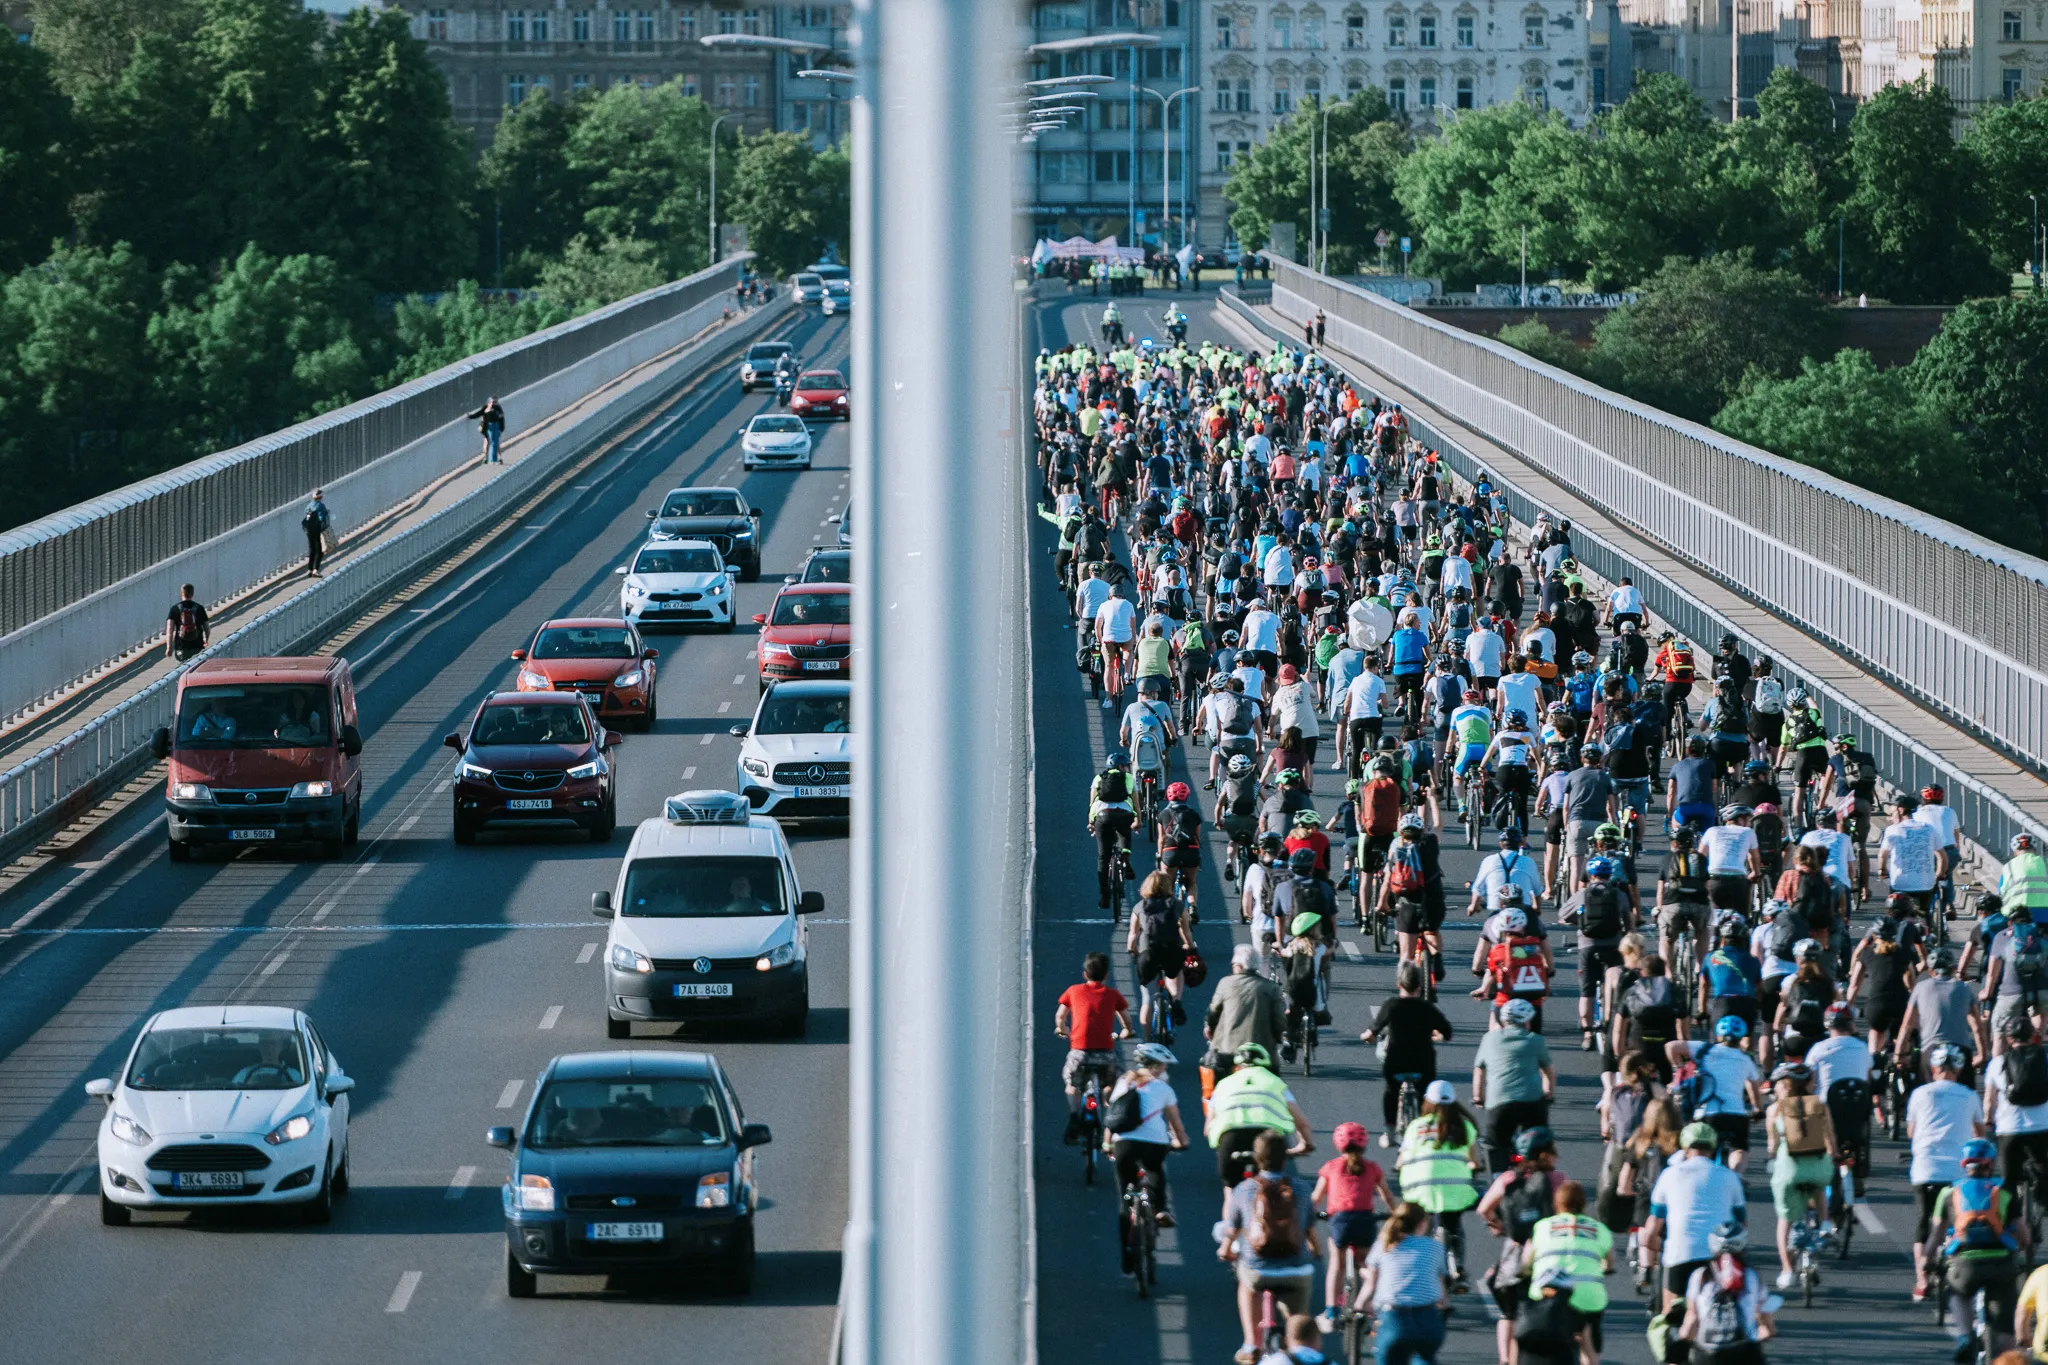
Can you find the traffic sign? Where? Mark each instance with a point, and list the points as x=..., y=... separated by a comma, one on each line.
x=1380, y=239
x=1404, y=246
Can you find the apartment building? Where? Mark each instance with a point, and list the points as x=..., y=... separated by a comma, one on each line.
x=821, y=108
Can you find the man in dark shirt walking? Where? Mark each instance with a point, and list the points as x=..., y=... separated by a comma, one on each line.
x=186, y=629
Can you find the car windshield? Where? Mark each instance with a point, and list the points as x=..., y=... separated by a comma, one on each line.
x=784, y=713
x=767, y=350
x=813, y=609
x=696, y=559
x=255, y=716
x=787, y=426
x=702, y=888
x=218, y=1059
x=808, y=281
x=821, y=379
x=584, y=642
x=551, y=723
x=656, y=1111
x=829, y=568
x=701, y=505
x=829, y=273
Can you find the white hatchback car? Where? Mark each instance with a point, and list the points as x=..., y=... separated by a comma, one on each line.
x=224, y=1105
x=775, y=440
x=677, y=583
x=796, y=758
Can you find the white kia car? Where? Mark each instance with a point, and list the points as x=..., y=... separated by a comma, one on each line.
x=775, y=440
x=796, y=759
x=677, y=583
x=224, y=1105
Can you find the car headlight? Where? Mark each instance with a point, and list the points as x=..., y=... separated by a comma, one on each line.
x=717, y=588
x=755, y=767
x=536, y=1193
x=744, y=533
x=630, y=678
x=840, y=400
x=624, y=959
x=537, y=682
x=128, y=1130
x=590, y=769
x=714, y=1191
x=191, y=791
x=635, y=590
x=303, y=789
x=780, y=956
x=470, y=770
x=291, y=1130
x=799, y=402
x=770, y=647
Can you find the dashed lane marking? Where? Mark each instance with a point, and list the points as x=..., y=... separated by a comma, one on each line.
x=463, y=1175
x=270, y=967
x=1351, y=951
x=509, y=1096
x=401, y=1297
x=1867, y=1216
x=547, y=1021
x=689, y=772
x=590, y=949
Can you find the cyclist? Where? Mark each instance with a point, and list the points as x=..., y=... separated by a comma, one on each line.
x=1509, y=757
x=1147, y=732
x=1727, y=1093
x=1237, y=808
x=1520, y=1198
x=1438, y=1161
x=1881, y=981
x=1110, y=819
x=2016, y=1085
x=1940, y=1010
x=1937, y=815
x=1682, y=896
x=1413, y=894
x=1513, y=1077
x=1290, y=797
x=1379, y=805
x=1269, y=1232
x=1803, y=1001
x=1581, y=1250
x=1405, y=1033
x=1346, y=1188
x=1941, y=1118
x=1691, y=1202
x=1673, y=663
x=1602, y=914
x=1471, y=735
x=1588, y=804
x=1730, y=978
x=2015, y=972
x=1160, y=937
x=1178, y=836
x=1733, y=862
x=1307, y=833
x=1909, y=854
x=1981, y=1242
x=1140, y=1152
x=2023, y=881
x=1854, y=774
x=1726, y=718
x=1116, y=622
x=1689, y=789
x=1800, y=1134
x=1091, y=1016
x=1727, y=1313
x=1249, y=1101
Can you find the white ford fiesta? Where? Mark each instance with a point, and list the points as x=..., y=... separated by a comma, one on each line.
x=224, y=1105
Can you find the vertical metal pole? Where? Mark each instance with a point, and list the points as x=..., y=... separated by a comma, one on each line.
x=937, y=1249
x=1132, y=221
x=1308, y=256
x=1525, y=267
x=1323, y=205
x=1165, y=170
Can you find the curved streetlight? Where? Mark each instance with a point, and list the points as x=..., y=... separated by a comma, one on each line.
x=1054, y=82
x=1095, y=42
x=712, y=248
x=761, y=40
x=1166, y=160
x=822, y=73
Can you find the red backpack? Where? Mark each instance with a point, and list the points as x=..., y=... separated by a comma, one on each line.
x=1519, y=971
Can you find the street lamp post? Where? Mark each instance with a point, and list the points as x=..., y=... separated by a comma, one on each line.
x=713, y=248
x=2034, y=244
x=1166, y=157
x=1095, y=42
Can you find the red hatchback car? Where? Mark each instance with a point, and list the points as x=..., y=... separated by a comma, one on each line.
x=820, y=396
x=808, y=633
x=600, y=657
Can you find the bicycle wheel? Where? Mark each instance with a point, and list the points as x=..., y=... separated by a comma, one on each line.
x=1142, y=1234
x=1380, y=930
x=1845, y=1225
x=1356, y=1330
x=1091, y=1144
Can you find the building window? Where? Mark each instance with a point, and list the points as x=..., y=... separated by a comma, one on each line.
x=1114, y=166
x=1532, y=30
x=437, y=25
x=515, y=90
x=622, y=27
x=2012, y=26
x=1244, y=30
x=1533, y=91
x=1425, y=30
x=1226, y=31
x=1465, y=26
x=579, y=26
x=1312, y=88
x=1173, y=62
x=688, y=81
x=1425, y=92
x=540, y=26
x=2011, y=83
x=647, y=80
x=1283, y=32
x=750, y=22
x=1464, y=92
x=1312, y=31
x=1223, y=156
x=728, y=91
x=579, y=84
x=1354, y=33
x=1244, y=96
x=1283, y=95
x=1397, y=93
x=515, y=25
x=1223, y=97
x=1061, y=168
x=1353, y=84
x=728, y=21
x=1113, y=115
x=750, y=92
x=1397, y=30
x=686, y=27
x=643, y=25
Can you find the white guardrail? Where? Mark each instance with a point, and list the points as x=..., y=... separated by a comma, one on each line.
x=61, y=779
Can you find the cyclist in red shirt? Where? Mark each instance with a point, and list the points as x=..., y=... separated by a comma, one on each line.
x=1379, y=814
x=1092, y=1015
x=1308, y=833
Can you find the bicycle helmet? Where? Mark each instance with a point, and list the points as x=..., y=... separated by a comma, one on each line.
x=1153, y=1053
x=1302, y=861
x=1767, y=808
x=2021, y=840
x=1383, y=767
x=1118, y=760
x=1177, y=791
x=1796, y=697
x=1945, y=1057
x=2016, y=1026
x=1695, y=745
x=1701, y=1136
x=1353, y=787
x=1350, y=1137
x=1730, y=814
x=1556, y=752
x=1290, y=777
x=1306, y=819
x=1272, y=843
x=1906, y=801
x=1252, y=1054
x=1518, y=1012
x=1511, y=838
x=1756, y=767
x=1728, y=642
x=1685, y=838
x=1933, y=794
x=1845, y=741
x=1558, y=708
x=1729, y=1027
x=1838, y=1011
x=1653, y=691
x=1731, y=1238
x=1445, y=664
x=1240, y=764
x=1730, y=926
x=1473, y=694
x=1944, y=961
x=1529, y=1142
x=1806, y=950
x=1441, y=1092
x=1599, y=867
x=1607, y=833
x=1230, y=637
x=1412, y=820
x=1303, y=923
x=1591, y=749
x=1792, y=1071
x=1581, y=659
x=1513, y=921
x=1980, y=1152
x=1518, y=720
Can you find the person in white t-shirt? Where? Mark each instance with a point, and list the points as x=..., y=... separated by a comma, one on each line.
x=1625, y=603
x=1940, y=1117
x=1732, y=859
x=1485, y=652
x=1456, y=573
x=1909, y=853
x=1116, y=626
x=1362, y=719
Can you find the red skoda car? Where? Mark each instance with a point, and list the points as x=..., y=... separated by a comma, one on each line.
x=808, y=633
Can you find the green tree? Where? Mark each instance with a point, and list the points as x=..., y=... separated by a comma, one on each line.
x=1701, y=326
x=1916, y=215
x=1984, y=368
x=1787, y=177
x=646, y=154
x=528, y=190
x=263, y=82
x=2010, y=143
x=1366, y=147
x=35, y=156
x=433, y=332
x=1653, y=191
x=590, y=275
x=832, y=192
x=389, y=189
x=1447, y=185
x=1546, y=189
x=774, y=192
x=1552, y=348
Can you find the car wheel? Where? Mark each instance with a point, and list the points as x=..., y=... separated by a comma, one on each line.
x=601, y=832
x=653, y=712
x=114, y=1215
x=330, y=848
x=178, y=850
x=798, y=1019
x=520, y=1283
x=465, y=833
x=351, y=833
x=739, y=1269
x=617, y=1028
x=320, y=1208
x=341, y=1175
x=729, y=626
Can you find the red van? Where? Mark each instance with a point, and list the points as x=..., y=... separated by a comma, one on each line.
x=263, y=751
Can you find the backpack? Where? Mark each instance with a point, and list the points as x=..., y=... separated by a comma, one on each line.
x=1276, y=1220
x=1786, y=930
x=1600, y=915
x=1808, y=1013
x=1690, y=1089
x=2026, y=1074
x=1522, y=971
x=1183, y=827
x=1974, y=1215
x=1240, y=796
x=1404, y=868
x=1113, y=787
x=1804, y=1131
x=1720, y=1323
x=1620, y=737
x=1652, y=1004
x=1734, y=717
x=1155, y=916
x=1770, y=696
x=1862, y=769
x=1680, y=667
x=2029, y=959
x=1806, y=727
x=188, y=624
x=1091, y=542
x=1618, y=655
x=1580, y=685
x=1526, y=1203
x=1235, y=717
x=1124, y=1113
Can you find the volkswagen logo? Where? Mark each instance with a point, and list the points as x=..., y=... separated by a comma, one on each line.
x=249, y=797
x=703, y=966
x=816, y=774
x=624, y=1201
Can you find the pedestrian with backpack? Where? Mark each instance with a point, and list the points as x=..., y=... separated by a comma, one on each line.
x=1269, y=1232
x=490, y=421
x=1520, y=1198
x=1727, y=1311
x=317, y=522
x=186, y=629
x=1602, y=915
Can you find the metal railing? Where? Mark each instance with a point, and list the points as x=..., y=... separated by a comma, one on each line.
x=1989, y=817
x=63, y=558
x=58, y=781
x=1953, y=619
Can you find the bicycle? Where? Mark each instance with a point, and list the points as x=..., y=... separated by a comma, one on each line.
x=1407, y=1105
x=1807, y=1242
x=1159, y=1018
x=1119, y=876
x=1091, y=1123
x=1146, y=802
x=1472, y=790
x=1354, y=1322
x=1138, y=1234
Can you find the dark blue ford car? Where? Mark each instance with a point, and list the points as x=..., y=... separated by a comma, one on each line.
x=632, y=1162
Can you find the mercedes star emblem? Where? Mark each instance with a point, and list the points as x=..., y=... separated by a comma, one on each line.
x=816, y=773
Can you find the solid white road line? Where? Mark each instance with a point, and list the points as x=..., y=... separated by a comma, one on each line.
x=547, y=1020
x=590, y=949
x=401, y=1297
x=463, y=1175
x=509, y=1096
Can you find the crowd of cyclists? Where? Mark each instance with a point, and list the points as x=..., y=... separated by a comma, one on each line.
x=1263, y=562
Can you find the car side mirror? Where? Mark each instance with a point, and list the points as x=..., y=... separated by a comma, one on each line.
x=619, y=572
x=612, y=740
x=650, y=654
x=788, y=580
x=650, y=514
x=160, y=742
x=452, y=742
x=755, y=514
x=760, y=618
x=500, y=1137
x=834, y=518
x=732, y=571
x=339, y=1085
x=101, y=1089
x=601, y=904
x=738, y=732
x=810, y=903
x=755, y=1135
x=520, y=655
x=351, y=740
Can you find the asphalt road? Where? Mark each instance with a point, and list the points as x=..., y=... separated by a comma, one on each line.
x=444, y=978
x=1088, y=1312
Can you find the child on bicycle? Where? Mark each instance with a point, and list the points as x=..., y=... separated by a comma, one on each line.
x=1346, y=1187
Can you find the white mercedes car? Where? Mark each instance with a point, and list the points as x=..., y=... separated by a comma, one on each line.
x=796, y=758
x=677, y=583
x=775, y=440
x=224, y=1105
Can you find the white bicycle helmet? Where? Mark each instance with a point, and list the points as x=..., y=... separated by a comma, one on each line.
x=1519, y=1012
